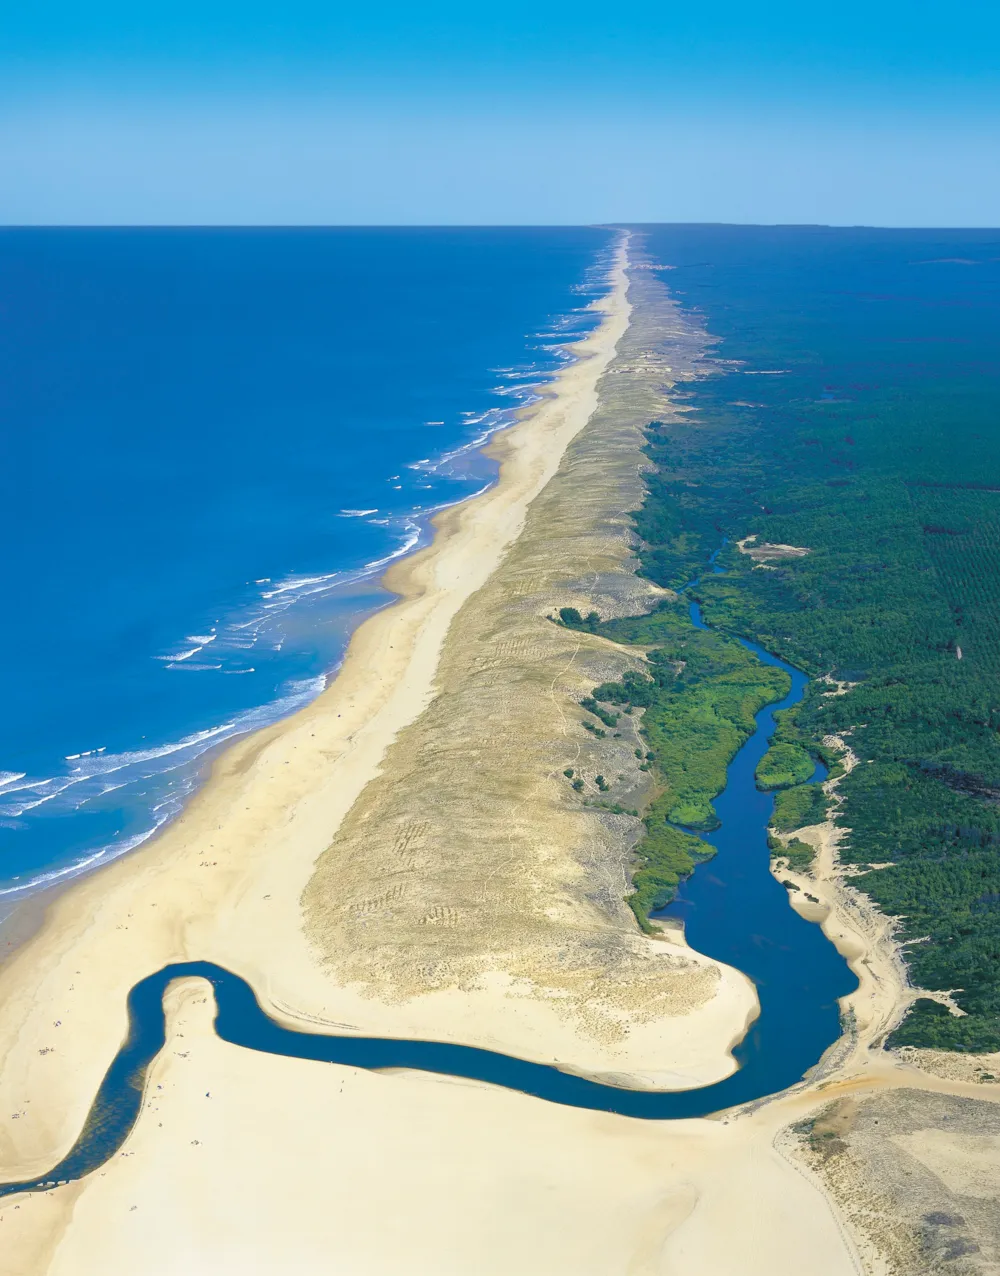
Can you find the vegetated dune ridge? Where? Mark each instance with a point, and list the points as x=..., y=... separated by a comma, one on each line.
x=249, y=1163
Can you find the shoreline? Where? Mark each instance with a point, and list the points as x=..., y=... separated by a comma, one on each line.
x=277, y=816
x=24, y=908
x=419, y=525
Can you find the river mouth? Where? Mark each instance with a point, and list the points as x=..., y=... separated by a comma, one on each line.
x=732, y=909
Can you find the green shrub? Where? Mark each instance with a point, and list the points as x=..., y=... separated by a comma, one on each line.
x=572, y=619
x=782, y=766
x=634, y=689
x=799, y=854
x=665, y=856
x=694, y=815
x=799, y=806
x=591, y=705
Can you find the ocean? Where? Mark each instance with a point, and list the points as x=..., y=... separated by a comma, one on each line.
x=213, y=443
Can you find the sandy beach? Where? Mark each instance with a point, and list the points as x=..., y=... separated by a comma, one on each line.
x=411, y=1173
x=365, y=874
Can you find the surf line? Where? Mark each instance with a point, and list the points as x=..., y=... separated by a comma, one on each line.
x=768, y=1062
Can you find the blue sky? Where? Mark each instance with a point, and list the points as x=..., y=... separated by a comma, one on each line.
x=215, y=111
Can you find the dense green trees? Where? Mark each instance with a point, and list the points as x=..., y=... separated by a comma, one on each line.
x=783, y=765
x=854, y=412
x=898, y=595
x=798, y=806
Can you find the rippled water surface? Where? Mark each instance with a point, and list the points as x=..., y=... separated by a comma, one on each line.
x=211, y=441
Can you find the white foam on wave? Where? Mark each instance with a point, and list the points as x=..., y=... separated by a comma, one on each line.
x=298, y=584
x=101, y=856
x=93, y=767
x=94, y=779
x=297, y=588
x=96, y=774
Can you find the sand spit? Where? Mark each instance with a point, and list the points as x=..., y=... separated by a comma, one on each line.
x=455, y=715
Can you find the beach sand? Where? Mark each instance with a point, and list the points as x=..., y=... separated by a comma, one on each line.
x=246, y=1163
x=320, y=854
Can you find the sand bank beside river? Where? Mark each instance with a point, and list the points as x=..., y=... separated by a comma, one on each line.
x=246, y=1163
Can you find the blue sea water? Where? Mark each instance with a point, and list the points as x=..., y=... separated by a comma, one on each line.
x=212, y=443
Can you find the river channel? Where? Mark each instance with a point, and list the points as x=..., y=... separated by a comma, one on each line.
x=732, y=908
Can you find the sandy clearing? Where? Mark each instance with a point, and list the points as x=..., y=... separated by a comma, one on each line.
x=969, y=1164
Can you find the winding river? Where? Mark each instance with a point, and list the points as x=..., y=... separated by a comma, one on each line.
x=733, y=910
